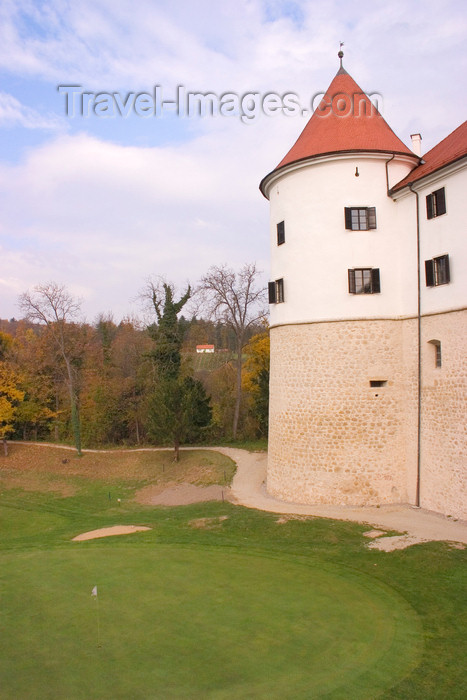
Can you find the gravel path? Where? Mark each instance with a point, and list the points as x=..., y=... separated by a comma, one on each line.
x=248, y=489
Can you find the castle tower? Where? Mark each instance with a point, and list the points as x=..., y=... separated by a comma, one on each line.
x=344, y=301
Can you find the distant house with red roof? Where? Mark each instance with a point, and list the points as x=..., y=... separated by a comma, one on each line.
x=368, y=299
x=205, y=348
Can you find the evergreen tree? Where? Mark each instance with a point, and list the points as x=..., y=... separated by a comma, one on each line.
x=179, y=408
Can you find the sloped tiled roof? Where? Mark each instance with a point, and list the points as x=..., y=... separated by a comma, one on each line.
x=344, y=121
x=447, y=151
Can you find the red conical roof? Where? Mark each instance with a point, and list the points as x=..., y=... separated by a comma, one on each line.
x=345, y=120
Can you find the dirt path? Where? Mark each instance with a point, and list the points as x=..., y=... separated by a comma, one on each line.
x=248, y=489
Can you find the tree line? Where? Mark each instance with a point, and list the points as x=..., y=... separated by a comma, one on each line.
x=130, y=383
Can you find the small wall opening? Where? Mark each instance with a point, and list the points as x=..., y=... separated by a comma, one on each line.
x=378, y=382
x=437, y=348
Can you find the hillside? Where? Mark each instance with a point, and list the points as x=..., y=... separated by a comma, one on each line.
x=209, y=362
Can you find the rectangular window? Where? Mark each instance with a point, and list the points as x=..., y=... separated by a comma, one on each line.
x=280, y=233
x=436, y=204
x=378, y=382
x=276, y=291
x=437, y=271
x=360, y=218
x=364, y=280
x=279, y=291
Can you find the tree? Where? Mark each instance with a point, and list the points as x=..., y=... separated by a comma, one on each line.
x=53, y=306
x=130, y=353
x=10, y=397
x=256, y=378
x=101, y=411
x=30, y=357
x=179, y=408
x=179, y=411
x=220, y=385
x=115, y=379
x=237, y=300
x=166, y=332
x=6, y=342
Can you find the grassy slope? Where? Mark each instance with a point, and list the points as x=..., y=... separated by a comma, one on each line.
x=28, y=466
x=39, y=564
x=209, y=362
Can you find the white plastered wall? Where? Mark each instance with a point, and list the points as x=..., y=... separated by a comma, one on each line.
x=318, y=249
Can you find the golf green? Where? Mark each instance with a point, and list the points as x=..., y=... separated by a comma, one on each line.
x=196, y=622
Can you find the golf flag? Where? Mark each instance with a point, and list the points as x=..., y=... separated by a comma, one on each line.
x=94, y=594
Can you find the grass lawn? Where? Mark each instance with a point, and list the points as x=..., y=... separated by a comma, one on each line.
x=215, y=601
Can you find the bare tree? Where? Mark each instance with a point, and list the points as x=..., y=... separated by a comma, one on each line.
x=51, y=304
x=238, y=300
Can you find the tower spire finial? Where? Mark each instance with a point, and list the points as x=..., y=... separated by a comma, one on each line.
x=341, y=53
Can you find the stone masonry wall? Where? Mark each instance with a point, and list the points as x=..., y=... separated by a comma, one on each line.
x=444, y=426
x=332, y=437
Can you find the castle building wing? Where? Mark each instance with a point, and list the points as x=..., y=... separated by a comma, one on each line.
x=446, y=152
x=368, y=313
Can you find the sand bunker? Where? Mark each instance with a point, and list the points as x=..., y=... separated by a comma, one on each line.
x=374, y=533
x=109, y=532
x=208, y=523
x=390, y=544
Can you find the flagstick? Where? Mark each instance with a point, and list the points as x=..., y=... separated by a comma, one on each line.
x=96, y=596
x=98, y=623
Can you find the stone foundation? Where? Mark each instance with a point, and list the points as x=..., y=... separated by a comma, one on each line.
x=334, y=438
x=443, y=418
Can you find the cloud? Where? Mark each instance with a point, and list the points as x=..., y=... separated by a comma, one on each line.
x=104, y=208
x=13, y=113
x=106, y=44
x=279, y=45
x=104, y=217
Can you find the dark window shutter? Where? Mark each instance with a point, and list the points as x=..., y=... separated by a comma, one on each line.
x=446, y=269
x=371, y=217
x=429, y=207
x=280, y=233
x=375, y=285
x=440, y=202
x=348, y=217
x=351, y=281
x=429, y=273
x=279, y=291
x=272, y=292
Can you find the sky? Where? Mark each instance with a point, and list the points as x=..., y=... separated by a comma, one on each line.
x=103, y=185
